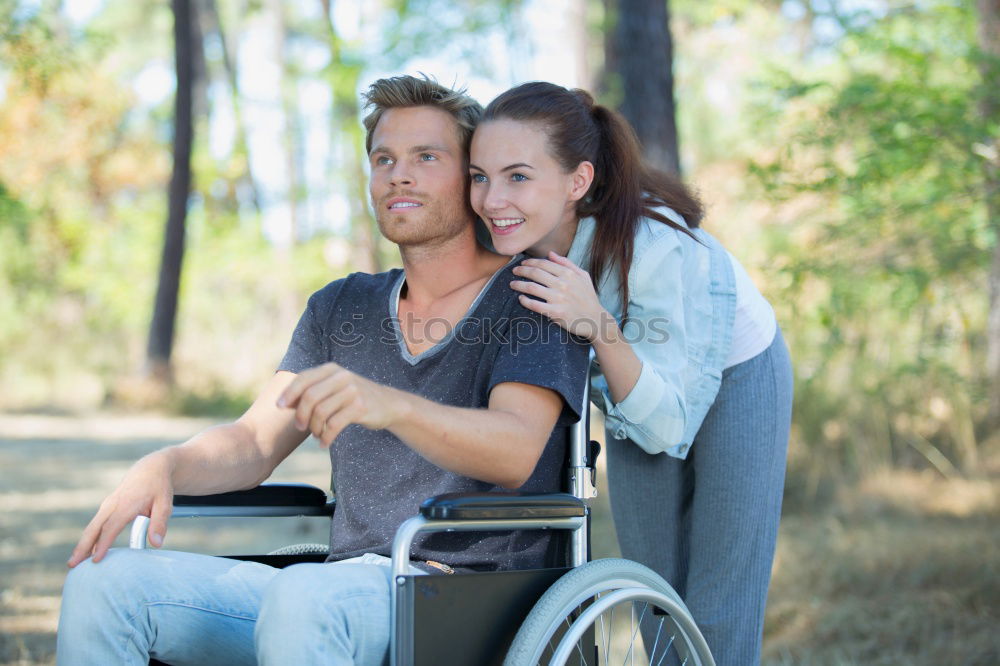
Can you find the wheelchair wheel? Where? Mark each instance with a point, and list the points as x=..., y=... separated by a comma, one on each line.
x=593, y=615
x=302, y=549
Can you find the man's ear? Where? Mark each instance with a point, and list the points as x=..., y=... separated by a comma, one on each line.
x=583, y=176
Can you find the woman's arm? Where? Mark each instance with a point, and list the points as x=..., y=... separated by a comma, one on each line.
x=570, y=301
x=642, y=388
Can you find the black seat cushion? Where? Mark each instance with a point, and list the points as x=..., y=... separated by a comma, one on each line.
x=268, y=494
x=503, y=506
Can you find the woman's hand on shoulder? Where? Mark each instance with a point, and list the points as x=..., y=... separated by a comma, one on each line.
x=564, y=292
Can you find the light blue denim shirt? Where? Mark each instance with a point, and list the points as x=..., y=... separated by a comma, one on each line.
x=682, y=304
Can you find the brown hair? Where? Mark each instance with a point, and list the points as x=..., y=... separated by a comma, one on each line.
x=408, y=91
x=625, y=187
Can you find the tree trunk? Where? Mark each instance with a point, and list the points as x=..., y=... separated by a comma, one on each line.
x=293, y=131
x=161, y=332
x=639, y=75
x=199, y=64
x=344, y=127
x=579, y=30
x=242, y=144
x=989, y=44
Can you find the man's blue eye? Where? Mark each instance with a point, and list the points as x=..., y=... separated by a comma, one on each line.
x=518, y=177
x=478, y=178
x=383, y=160
x=426, y=157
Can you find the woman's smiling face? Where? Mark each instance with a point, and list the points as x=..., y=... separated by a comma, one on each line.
x=525, y=197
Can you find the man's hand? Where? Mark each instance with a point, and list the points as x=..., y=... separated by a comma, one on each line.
x=329, y=398
x=146, y=490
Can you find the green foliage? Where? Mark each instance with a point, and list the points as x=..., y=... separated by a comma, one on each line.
x=71, y=259
x=14, y=232
x=887, y=244
x=422, y=28
x=866, y=139
x=85, y=141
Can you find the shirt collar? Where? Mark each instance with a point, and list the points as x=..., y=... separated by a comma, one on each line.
x=579, y=251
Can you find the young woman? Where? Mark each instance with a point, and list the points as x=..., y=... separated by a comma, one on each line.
x=691, y=370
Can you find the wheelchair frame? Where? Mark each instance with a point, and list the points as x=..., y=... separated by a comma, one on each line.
x=582, y=473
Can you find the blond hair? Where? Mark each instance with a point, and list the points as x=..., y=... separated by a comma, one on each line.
x=408, y=91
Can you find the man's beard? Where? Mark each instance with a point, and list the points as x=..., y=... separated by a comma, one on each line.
x=437, y=219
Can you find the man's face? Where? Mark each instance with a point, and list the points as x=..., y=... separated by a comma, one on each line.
x=418, y=176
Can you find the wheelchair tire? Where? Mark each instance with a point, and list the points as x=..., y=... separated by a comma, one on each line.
x=302, y=549
x=578, y=604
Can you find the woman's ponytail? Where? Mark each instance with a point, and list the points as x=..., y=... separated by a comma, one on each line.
x=615, y=199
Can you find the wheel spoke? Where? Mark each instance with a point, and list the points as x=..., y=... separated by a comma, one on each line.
x=630, y=655
x=583, y=657
x=666, y=650
x=631, y=625
x=659, y=630
x=611, y=632
x=604, y=637
x=569, y=624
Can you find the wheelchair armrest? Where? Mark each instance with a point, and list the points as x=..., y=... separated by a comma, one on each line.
x=502, y=506
x=268, y=499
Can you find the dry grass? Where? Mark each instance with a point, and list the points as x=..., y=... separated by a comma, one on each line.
x=903, y=568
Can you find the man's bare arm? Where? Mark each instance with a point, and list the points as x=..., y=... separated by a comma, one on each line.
x=500, y=444
x=238, y=455
x=235, y=456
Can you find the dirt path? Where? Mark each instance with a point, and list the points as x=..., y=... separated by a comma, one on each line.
x=903, y=568
x=54, y=471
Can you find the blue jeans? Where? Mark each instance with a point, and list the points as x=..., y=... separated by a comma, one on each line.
x=184, y=608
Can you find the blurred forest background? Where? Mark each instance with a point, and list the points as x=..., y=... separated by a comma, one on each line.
x=848, y=152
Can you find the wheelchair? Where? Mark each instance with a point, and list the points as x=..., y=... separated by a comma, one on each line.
x=557, y=616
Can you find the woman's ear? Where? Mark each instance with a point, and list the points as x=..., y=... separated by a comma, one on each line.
x=582, y=177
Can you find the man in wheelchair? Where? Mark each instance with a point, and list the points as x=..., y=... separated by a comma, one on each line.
x=421, y=381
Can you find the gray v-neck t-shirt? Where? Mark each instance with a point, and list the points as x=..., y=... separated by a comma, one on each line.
x=378, y=480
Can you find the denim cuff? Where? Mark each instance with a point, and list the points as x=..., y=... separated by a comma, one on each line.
x=637, y=405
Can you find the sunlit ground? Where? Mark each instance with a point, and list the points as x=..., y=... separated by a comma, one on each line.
x=902, y=569
x=55, y=471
